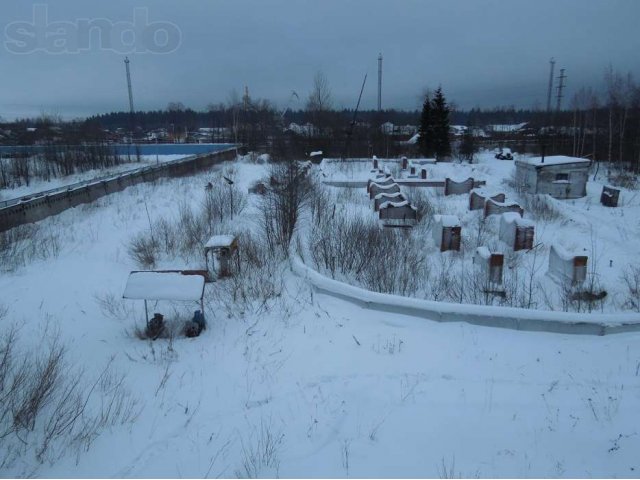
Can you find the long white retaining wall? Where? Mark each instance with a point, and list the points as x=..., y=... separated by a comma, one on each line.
x=488, y=316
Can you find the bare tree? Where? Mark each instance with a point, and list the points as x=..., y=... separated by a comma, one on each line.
x=320, y=101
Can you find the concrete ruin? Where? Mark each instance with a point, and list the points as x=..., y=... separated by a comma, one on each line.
x=447, y=232
x=492, y=207
x=516, y=232
x=452, y=187
x=566, y=267
x=477, y=198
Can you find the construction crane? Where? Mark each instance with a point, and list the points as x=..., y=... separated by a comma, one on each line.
x=347, y=143
x=131, y=110
x=286, y=108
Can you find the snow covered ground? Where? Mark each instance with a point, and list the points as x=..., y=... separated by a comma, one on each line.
x=40, y=185
x=582, y=226
x=311, y=386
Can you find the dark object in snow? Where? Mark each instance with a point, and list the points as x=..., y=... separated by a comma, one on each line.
x=609, y=196
x=423, y=174
x=405, y=163
x=198, y=317
x=587, y=296
x=208, y=186
x=504, y=155
x=258, y=188
x=155, y=327
x=192, y=329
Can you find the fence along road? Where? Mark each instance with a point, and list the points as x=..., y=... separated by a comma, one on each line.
x=38, y=206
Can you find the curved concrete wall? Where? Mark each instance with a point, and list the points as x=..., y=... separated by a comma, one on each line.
x=487, y=316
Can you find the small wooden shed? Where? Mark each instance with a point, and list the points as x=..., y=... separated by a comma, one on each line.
x=516, y=232
x=559, y=176
x=447, y=232
x=452, y=187
x=398, y=214
x=567, y=267
x=221, y=249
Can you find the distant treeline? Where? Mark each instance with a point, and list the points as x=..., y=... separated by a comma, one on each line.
x=221, y=117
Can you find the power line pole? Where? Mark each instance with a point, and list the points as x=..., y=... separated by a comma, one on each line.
x=380, y=82
x=131, y=110
x=552, y=62
x=561, y=86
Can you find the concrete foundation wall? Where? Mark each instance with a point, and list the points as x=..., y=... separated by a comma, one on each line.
x=41, y=206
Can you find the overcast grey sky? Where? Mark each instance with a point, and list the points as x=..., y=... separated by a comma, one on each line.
x=483, y=52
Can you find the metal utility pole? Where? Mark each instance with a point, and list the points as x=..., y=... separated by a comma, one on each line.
x=561, y=86
x=552, y=62
x=131, y=110
x=380, y=82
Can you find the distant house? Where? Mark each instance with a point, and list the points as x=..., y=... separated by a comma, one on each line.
x=558, y=176
x=507, y=128
x=389, y=128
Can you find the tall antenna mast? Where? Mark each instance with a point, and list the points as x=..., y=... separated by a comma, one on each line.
x=552, y=62
x=131, y=110
x=561, y=86
x=380, y=82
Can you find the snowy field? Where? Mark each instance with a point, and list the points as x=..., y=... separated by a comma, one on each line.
x=311, y=386
x=582, y=226
x=41, y=185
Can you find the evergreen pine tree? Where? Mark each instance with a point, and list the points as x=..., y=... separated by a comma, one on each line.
x=425, y=141
x=440, y=125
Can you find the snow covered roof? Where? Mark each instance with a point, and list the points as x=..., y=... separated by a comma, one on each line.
x=163, y=286
x=219, y=241
x=514, y=217
x=447, y=220
x=553, y=160
x=483, y=252
x=403, y=203
x=316, y=153
x=383, y=187
x=507, y=127
x=413, y=140
x=382, y=195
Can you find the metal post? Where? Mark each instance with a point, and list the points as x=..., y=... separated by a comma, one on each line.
x=146, y=313
x=379, y=82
